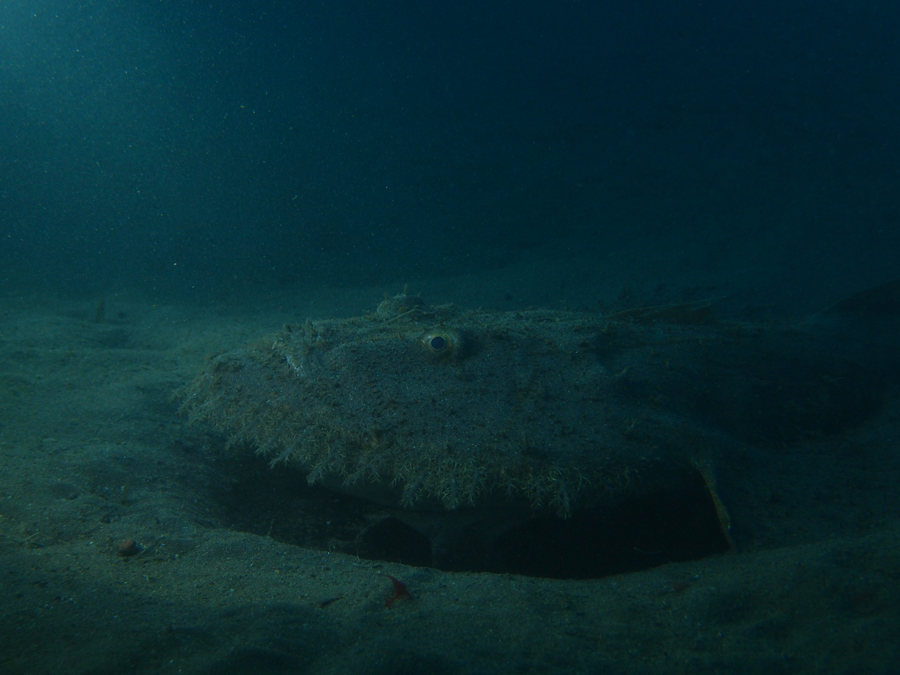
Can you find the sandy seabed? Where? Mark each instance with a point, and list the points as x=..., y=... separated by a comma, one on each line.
x=94, y=453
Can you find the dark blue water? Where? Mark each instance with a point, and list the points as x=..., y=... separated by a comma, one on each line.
x=194, y=148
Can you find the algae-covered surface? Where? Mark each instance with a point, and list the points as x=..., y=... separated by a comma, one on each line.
x=133, y=540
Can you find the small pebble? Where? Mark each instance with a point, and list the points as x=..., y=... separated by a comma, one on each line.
x=128, y=547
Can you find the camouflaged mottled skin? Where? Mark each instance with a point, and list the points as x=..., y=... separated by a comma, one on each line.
x=435, y=408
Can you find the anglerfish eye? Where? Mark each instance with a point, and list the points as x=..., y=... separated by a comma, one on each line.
x=441, y=342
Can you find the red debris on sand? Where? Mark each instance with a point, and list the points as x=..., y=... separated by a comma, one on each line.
x=400, y=591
